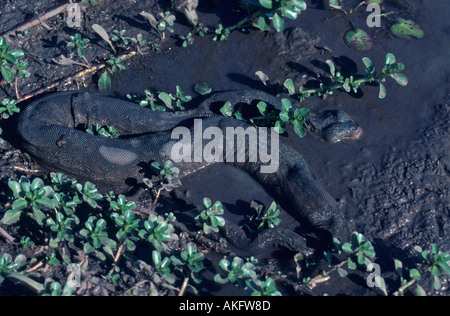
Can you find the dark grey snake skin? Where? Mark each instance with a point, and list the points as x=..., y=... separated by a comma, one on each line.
x=51, y=129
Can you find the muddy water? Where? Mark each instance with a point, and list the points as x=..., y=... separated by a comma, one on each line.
x=394, y=182
x=361, y=174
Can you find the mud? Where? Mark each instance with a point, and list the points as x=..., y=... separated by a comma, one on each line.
x=393, y=183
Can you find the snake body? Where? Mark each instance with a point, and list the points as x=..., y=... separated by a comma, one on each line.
x=52, y=132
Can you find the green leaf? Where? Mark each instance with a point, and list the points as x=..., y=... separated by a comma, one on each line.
x=20, y=204
x=279, y=127
x=382, y=93
x=262, y=24
x=11, y=217
x=7, y=73
x=226, y=109
x=289, y=85
x=299, y=129
x=163, y=96
x=38, y=216
x=420, y=291
x=262, y=107
x=415, y=274
x=105, y=81
x=390, y=59
x=266, y=3
x=332, y=67
x=401, y=79
x=278, y=22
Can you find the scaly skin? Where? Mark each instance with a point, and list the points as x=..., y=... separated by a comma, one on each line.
x=51, y=130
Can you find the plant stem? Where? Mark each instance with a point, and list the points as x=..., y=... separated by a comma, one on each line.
x=404, y=287
x=245, y=20
x=183, y=286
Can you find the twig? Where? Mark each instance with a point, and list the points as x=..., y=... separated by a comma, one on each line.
x=36, y=21
x=117, y=257
x=7, y=236
x=183, y=286
x=68, y=80
x=16, y=88
x=157, y=197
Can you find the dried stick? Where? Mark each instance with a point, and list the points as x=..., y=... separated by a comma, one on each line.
x=7, y=236
x=68, y=80
x=36, y=21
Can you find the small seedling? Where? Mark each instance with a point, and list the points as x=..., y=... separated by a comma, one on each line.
x=194, y=262
x=168, y=176
x=211, y=216
x=186, y=40
x=105, y=131
x=179, y=98
x=63, y=227
x=114, y=65
x=237, y=271
x=158, y=231
x=10, y=62
x=54, y=288
x=80, y=45
x=8, y=265
x=271, y=12
x=32, y=196
x=265, y=219
x=221, y=33
x=26, y=242
x=125, y=220
x=97, y=238
x=8, y=107
x=89, y=194
x=119, y=36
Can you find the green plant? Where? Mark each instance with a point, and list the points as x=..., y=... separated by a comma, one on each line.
x=105, y=131
x=26, y=242
x=163, y=272
x=63, y=227
x=211, y=216
x=97, y=238
x=166, y=21
x=10, y=62
x=93, y=1
x=29, y=196
x=434, y=262
x=406, y=29
x=80, y=45
x=115, y=65
x=158, y=231
x=276, y=9
x=168, y=176
x=360, y=251
x=238, y=271
x=186, y=40
x=125, y=220
x=119, y=36
x=8, y=266
x=194, y=262
x=53, y=288
x=276, y=118
x=89, y=193
x=52, y=260
x=265, y=288
x=8, y=107
x=265, y=219
x=221, y=33
x=179, y=98
x=336, y=81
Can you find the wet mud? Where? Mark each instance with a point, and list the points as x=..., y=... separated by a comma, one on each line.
x=393, y=183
